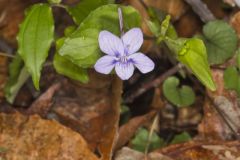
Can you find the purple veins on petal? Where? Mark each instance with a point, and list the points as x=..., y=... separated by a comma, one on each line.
x=132, y=40
x=105, y=64
x=124, y=70
x=110, y=44
x=142, y=62
x=121, y=54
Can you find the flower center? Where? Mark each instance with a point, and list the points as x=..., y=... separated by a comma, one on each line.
x=123, y=59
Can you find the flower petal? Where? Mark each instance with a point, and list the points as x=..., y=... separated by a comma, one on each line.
x=132, y=40
x=142, y=62
x=105, y=64
x=110, y=44
x=124, y=70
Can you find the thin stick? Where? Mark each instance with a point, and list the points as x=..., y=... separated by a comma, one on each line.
x=154, y=83
x=201, y=9
x=153, y=127
x=6, y=55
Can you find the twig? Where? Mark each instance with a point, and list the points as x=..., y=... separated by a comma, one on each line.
x=144, y=4
x=153, y=83
x=201, y=9
x=7, y=55
x=5, y=47
x=153, y=128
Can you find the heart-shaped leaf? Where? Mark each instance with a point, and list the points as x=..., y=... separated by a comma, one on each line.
x=35, y=38
x=141, y=139
x=221, y=41
x=82, y=48
x=180, y=138
x=180, y=97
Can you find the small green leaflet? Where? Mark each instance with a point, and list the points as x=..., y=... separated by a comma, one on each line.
x=193, y=54
x=35, y=38
x=180, y=97
x=80, y=11
x=221, y=41
x=54, y=1
x=65, y=67
x=18, y=75
x=82, y=48
x=140, y=140
x=232, y=79
x=180, y=138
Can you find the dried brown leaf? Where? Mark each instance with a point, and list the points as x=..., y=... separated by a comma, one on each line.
x=24, y=137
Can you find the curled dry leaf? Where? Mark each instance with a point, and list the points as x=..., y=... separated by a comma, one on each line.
x=128, y=130
x=222, y=115
x=24, y=137
x=42, y=105
x=214, y=150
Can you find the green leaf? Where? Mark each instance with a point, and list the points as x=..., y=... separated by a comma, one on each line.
x=139, y=142
x=192, y=53
x=69, y=30
x=232, y=79
x=238, y=58
x=18, y=75
x=125, y=114
x=180, y=97
x=35, y=38
x=221, y=41
x=180, y=138
x=82, y=46
x=67, y=68
x=54, y=1
x=80, y=11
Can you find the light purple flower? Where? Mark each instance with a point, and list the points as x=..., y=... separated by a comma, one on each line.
x=121, y=54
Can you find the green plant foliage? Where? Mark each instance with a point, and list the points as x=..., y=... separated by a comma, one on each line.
x=232, y=79
x=18, y=75
x=65, y=67
x=140, y=140
x=163, y=29
x=192, y=53
x=238, y=58
x=180, y=138
x=180, y=97
x=54, y=1
x=35, y=38
x=125, y=114
x=82, y=48
x=80, y=11
x=220, y=40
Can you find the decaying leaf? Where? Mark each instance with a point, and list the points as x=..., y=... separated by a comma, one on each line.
x=221, y=116
x=24, y=137
x=91, y=109
x=210, y=150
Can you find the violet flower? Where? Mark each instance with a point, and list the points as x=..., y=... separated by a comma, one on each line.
x=122, y=54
